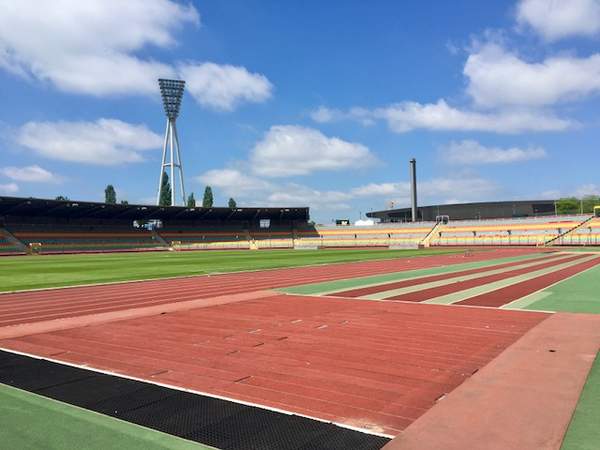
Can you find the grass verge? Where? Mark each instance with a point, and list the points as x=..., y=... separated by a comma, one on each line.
x=584, y=432
x=30, y=421
x=18, y=272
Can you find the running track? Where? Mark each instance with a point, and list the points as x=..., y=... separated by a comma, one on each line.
x=373, y=365
x=34, y=306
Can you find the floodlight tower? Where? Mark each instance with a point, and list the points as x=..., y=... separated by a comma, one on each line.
x=171, y=92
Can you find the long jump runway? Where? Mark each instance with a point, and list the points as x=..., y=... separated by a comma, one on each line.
x=375, y=366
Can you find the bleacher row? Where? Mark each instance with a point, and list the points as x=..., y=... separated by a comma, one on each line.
x=7, y=247
x=524, y=232
x=507, y=232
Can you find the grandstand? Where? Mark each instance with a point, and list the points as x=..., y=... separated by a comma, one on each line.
x=533, y=231
x=30, y=225
x=55, y=226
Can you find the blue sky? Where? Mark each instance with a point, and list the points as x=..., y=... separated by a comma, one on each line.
x=308, y=103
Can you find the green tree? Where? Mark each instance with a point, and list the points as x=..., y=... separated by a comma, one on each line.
x=569, y=205
x=164, y=198
x=124, y=202
x=191, y=201
x=232, y=203
x=589, y=201
x=207, y=200
x=110, y=195
x=62, y=198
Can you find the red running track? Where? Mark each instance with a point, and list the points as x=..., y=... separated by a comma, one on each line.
x=34, y=306
x=427, y=294
x=373, y=365
x=360, y=292
x=509, y=294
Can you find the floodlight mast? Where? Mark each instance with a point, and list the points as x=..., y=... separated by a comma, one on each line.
x=171, y=92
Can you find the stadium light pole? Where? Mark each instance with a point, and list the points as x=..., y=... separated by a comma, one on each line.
x=171, y=92
x=413, y=189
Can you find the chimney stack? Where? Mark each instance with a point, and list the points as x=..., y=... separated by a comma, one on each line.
x=413, y=188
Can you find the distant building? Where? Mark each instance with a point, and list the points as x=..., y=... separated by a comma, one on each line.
x=470, y=211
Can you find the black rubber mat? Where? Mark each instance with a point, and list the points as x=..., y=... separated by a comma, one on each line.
x=219, y=423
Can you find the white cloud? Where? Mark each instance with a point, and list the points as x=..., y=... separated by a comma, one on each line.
x=466, y=187
x=469, y=152
x=33, y=174
x=103, y=142
x=382, y=189
x=500, y=78
x=90, y=46
x=254, y=191
x=289, y=150
x=234, y=182
x=9, y=189
x=556, y=19
x=588, y=189
x=223, y=87
x=298, y=195
x=325, y=115
x=408, y=116
x=440, y=116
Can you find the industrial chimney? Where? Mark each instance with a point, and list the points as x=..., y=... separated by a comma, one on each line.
x=413, y=188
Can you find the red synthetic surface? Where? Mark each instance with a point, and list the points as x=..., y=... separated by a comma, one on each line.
x=426, y=294
x=360, y=292
x=32, y=306
x=373, y=365
x=508, y=294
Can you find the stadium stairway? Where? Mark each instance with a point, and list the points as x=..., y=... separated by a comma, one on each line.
x=8, y=236
x=425, y=242
x=569, y=231
x=159, y=239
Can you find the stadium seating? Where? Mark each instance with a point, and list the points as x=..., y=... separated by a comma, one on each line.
x=518, y=231
x=384, y=235
x=8, y=248
x=561, y=230
x=587, y=234
x=84, y=239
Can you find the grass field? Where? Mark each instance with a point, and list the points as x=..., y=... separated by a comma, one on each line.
x=30, y=421
x=577, y=294
x=20, y=272
x=583, y=432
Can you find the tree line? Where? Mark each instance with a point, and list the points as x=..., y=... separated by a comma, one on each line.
x=575, y=205
x=207, y=199
x=164, y=199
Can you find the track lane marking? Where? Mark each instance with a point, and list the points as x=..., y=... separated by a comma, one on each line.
x=406, y=275
x=381, y=295
x=490, y=287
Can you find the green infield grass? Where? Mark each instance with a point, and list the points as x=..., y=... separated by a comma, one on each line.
x=34, y=272
x=584, y=432
x=578, y=294
x=30, y=421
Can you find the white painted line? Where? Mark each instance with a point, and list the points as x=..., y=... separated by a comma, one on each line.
x=507, y=306
x=193, y=391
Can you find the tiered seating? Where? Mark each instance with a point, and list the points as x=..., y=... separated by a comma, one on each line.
x=206, y=237
x=274, y=237
x=529, y=231
x=66, y=239
x=384, y=235
x=8, y=248
x=587, y=234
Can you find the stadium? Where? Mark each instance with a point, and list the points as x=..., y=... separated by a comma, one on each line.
x=236, y=327
x=169, y=324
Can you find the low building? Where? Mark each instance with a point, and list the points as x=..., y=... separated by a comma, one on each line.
x=470, y=211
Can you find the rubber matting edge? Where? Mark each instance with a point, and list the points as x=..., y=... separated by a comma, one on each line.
x=219, y=423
